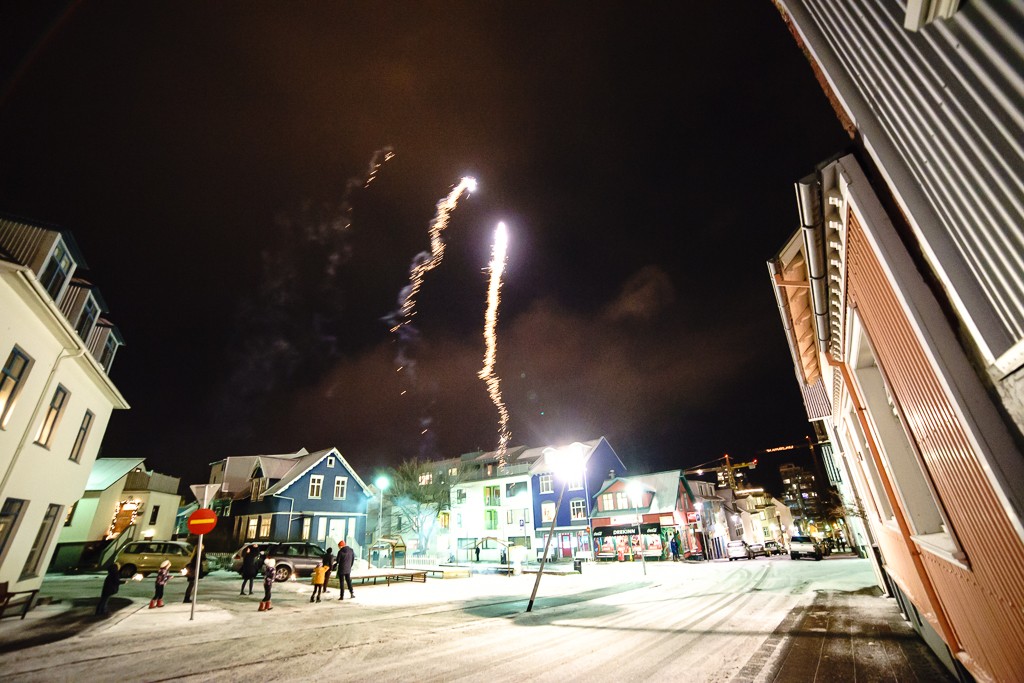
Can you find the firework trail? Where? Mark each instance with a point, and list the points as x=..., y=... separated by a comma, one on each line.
x=497, y=267
x=427, y=261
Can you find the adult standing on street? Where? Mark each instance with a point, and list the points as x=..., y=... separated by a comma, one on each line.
x=194, y=568
x=111, y=584
x=328, y=560
x=250, y=566
x=345, y=558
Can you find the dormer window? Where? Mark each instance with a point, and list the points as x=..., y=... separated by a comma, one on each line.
x=57, y=270
x=87, y=318
x=109, y=349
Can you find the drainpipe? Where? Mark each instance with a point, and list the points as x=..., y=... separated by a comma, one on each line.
x=291, y=510
x=901, y=520
x=808, y=198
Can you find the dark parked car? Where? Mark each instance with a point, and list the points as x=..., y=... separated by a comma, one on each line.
x=292, y=558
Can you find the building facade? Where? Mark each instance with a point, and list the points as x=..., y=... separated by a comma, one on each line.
x=56, y=396
x=903, y=303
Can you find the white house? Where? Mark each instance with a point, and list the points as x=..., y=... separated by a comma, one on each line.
x=56, y=397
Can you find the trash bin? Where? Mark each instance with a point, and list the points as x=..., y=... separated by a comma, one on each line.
x=577, y=566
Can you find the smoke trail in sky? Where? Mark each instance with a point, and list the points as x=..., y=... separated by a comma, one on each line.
x=400, y=320
x=497, y=267
x=427, y=261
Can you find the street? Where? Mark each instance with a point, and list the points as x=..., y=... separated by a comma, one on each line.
x=715, y=621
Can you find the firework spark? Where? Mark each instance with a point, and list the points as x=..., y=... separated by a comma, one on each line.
x=424, y=261
x=497, y=267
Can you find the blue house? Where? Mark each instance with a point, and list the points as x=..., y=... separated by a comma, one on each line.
x=572, y=525
x=301, y=496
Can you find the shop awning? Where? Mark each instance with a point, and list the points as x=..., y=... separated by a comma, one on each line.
x=626, y=529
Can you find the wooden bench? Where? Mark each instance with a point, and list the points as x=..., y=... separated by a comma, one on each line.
x=389, y=575
x=10, y=598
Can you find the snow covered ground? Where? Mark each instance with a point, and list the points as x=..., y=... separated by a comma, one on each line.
x=715, y=621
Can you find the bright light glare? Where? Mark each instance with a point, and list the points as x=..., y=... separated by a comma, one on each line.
x=566, y=462
x=382, y=483
x=137, y=577
x=470, y=183
x=636, y=492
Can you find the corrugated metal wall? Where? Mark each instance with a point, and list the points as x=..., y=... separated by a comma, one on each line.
x=985, y=604
x=941, y=111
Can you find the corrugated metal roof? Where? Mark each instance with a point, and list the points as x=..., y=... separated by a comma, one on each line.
x=107, y=471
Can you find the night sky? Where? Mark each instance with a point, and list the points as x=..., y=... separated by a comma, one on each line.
x=210, y=160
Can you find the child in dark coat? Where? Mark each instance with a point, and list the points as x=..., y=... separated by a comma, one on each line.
x=268, y=583
x=111, y=584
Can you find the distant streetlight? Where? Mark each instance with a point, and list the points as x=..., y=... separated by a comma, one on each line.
x=636, y=492
x=565, y=463
x=382, y=483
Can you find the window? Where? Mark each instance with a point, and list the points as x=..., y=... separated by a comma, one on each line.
x=508, y=519
x=264, y=526
x=330, y=461
x=34, y=561
x=546, y=484
x=444, y=519
x=8, y=520
x=460, y=496
x=578, y=508
x=250, y=531
x=316, y=485
x=515, y=488
x=453, y=471
x=576, y=483
x=492, y=495
x=57, y=270
x=154, y=514
x=70, y=514
x=11, y=377
x=607, y=501
x=109, y=349
x=547, y=511
x=83, y=434
x=60, y=398
x=490, y=470
x=340, y=487
x=87, y=318
x=307, y=522
x=426, y=478
x=622, y=501
x=490, y=520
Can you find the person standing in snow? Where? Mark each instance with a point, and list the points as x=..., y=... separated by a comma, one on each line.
x=250, y=566
x=111, y=584
x=319, y=572
x=673, y=546
x=328, y=560
x=268, y=583
x=163, y=575
x=345, y=558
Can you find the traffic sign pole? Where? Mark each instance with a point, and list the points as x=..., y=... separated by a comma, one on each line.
x=201, y=522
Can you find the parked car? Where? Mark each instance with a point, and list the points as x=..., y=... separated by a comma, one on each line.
x=291, y=558
x=757, y=550
x=145, y=557
x=738, y=550
x=804, y=546
x=774, y=548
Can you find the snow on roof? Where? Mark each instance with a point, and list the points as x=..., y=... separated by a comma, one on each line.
x=664, y=486
x=238, y=469
x=107, y=471
x=304, y=464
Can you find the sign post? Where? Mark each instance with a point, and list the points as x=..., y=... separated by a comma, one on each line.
x=200, y=522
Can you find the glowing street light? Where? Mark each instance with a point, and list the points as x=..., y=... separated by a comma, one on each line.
x=382, y=483
x=636, y=492
x=566, y=463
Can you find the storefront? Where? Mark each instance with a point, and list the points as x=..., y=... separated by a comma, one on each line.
x=621, y=542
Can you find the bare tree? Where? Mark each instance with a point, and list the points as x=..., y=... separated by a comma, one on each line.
x=420, y=491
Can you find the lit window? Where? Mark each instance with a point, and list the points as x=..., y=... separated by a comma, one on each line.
x=306, y=524
x=546, y=484
x=490, y=519
x=316, y=485
x=70, y=515
x=8, y=520
x=492, y=495
x=83, y=434
x=578, y=508
x=426, y=478
x=547, y=511
x=53, y=414
x=34, y=561
x=57, y=270
x=264, y=526
x=576, y=483
x=444, y=519
x=622, y=501
x=340, y=487
x=250, y=531
x=453, y=471
x=607, y=501
x=11, y=378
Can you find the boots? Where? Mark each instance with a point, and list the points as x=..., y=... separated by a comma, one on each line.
x=160, y=602
x=263, y=606
x=152, y=604
x=268, y=606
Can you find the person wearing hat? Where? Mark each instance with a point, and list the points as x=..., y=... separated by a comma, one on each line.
x=268, y=583
x=163, y=575
x=345, y=558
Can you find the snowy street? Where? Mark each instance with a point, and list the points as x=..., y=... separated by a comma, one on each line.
x=716, y=621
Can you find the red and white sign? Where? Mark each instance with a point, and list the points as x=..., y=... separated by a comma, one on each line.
x=202, y=521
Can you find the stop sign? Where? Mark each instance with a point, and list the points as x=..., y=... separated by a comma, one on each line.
x=202, y=521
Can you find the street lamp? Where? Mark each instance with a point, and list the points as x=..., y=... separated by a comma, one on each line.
x=382, y=484
x=565, y=463
x=636, y=492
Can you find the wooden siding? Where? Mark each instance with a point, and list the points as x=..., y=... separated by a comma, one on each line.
x=983, y=604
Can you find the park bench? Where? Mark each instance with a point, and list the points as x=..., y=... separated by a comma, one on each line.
x=10, y=598
x=388, y=575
